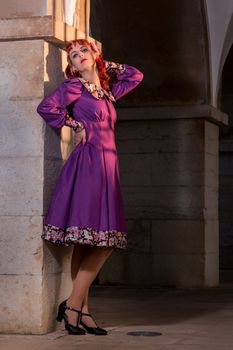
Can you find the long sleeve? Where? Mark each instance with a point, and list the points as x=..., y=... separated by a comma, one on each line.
x=53, y=108
x=128, y=77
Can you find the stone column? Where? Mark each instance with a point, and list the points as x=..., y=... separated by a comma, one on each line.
x=34, y=275
x=171, y=197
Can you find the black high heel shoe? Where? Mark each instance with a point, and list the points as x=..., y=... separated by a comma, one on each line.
x=93, y=330
x=76, y=330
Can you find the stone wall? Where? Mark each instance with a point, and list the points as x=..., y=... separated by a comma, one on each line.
x=169, y=176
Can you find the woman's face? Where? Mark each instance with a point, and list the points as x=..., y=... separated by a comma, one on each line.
x=82, y=57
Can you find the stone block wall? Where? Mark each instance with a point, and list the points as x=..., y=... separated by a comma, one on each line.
x=169, y=176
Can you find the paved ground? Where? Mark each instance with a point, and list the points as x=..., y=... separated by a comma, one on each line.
x=188, y=320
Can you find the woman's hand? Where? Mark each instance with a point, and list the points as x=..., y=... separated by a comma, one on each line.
x=80, y=137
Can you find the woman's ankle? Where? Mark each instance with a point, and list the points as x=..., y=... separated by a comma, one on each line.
x=74, y=303
x=85, y=309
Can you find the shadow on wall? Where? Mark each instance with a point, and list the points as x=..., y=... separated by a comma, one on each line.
x=166, y=40
x=226, y=168
x=57, y=147
x=52, y=146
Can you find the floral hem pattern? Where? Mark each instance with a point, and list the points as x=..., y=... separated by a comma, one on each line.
x=84, y=235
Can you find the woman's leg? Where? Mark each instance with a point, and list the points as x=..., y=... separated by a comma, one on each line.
x=77, y=256
x=91, y=262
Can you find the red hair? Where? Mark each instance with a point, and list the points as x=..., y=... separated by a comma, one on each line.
x=104, y=77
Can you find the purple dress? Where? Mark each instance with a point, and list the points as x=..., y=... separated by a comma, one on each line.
x=87, y=204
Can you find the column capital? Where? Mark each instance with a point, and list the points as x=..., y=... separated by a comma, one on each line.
x=207, y=112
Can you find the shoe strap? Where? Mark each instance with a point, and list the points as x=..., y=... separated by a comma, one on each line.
x=70, y=308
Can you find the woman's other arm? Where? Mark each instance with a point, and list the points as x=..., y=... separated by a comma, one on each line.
x=128, y=77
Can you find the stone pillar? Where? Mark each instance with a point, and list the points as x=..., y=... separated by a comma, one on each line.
x=34, y=275
x=169, y=165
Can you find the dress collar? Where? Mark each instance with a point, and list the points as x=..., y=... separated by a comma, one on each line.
x=96, y=91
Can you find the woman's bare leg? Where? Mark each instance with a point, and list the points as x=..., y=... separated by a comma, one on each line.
x=77, y=256
x=91, y=262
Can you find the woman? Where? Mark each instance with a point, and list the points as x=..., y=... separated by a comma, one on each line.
x=87, y=209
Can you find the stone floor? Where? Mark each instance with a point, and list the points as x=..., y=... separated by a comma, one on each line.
x=188, y=320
